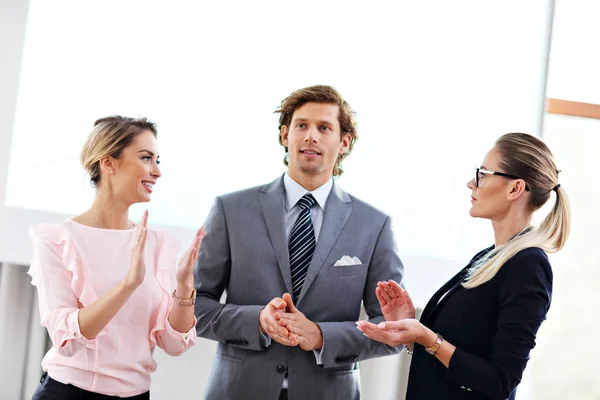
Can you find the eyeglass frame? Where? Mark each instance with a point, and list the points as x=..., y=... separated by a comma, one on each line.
x=503, y=174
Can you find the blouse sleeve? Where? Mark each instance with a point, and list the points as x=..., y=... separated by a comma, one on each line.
x=524, y=302
x=56, y=275
x=163, y=334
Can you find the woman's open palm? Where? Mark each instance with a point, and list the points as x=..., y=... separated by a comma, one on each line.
x=395, y=302
x=137, y=268
x=185, y=270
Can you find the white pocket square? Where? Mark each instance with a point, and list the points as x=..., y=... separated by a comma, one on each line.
x=347, y=260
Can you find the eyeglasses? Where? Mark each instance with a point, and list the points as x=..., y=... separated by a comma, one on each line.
x=479, y=172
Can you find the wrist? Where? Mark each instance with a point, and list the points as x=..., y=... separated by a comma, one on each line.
x=318, y=343
x=127, y=286
x=260, y=321
x=184, y=291
x=184, y=296
x=186, y=281
x=433, y=349
x=428, y=338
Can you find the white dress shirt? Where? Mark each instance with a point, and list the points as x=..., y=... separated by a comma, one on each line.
x=293, y=193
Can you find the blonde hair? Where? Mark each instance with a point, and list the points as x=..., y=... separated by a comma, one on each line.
x=529, y=158
x=108, y=138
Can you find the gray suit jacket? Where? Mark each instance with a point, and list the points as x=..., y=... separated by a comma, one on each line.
x=245, y=253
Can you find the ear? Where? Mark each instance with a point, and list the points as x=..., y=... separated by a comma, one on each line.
x=107, y=164
x=284, y=135
x=517, y=189
x=345, y=143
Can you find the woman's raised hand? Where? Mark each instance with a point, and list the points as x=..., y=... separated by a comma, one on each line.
x=137, y=269
x=395, y=302
x=185, y=270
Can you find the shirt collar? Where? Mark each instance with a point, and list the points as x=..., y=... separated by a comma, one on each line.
x=294, y=192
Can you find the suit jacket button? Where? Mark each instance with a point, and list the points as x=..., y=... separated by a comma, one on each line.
x=280, y=369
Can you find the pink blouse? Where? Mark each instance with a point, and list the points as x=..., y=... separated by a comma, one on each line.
x=72, y=265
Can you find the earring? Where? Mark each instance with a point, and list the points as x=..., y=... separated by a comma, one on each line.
x=112, y=171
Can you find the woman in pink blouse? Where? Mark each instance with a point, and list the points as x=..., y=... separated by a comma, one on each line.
x=108, y=289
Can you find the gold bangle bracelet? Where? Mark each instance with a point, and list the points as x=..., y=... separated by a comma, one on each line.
x=183, y=301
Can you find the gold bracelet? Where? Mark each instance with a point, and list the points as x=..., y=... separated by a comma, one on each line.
x=185, y=302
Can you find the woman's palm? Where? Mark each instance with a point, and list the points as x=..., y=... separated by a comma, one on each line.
x=185, y=270
x=398, y=308
x=395, y=302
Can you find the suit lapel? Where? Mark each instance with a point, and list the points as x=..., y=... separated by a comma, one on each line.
x=449, y=287
x=272, y=199
x=337, y=211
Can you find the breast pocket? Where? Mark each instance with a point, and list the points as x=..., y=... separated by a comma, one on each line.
x=347, y=270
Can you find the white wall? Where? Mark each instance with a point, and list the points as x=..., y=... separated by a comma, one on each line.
x=560, y=367
x=457, y=81
x=13, y=14
x=573, y=75
x=574, y=66
x=431, y=97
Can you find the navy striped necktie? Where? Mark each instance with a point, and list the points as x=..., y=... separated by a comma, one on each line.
x=302, y=244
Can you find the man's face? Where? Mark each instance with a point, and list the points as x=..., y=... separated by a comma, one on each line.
x=314, y=141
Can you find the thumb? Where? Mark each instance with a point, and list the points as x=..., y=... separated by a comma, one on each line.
x=290, y=303
x=391, y=325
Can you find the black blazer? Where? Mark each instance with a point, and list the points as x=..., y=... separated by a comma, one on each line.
x=493, y=327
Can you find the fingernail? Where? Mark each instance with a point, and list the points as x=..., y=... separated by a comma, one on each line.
x=381, y=325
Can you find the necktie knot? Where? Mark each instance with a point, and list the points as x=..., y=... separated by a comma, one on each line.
x=307, y=201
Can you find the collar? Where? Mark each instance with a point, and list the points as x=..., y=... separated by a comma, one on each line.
x=294, y=192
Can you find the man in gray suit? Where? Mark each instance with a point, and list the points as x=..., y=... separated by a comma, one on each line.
x=297, y=258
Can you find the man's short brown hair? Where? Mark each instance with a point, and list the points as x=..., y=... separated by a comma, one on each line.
x=324, y=95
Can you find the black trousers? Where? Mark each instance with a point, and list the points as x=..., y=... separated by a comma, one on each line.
x=50, y=389
x=283, y=394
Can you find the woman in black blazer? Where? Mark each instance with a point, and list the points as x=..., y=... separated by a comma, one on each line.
x=476, y=332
